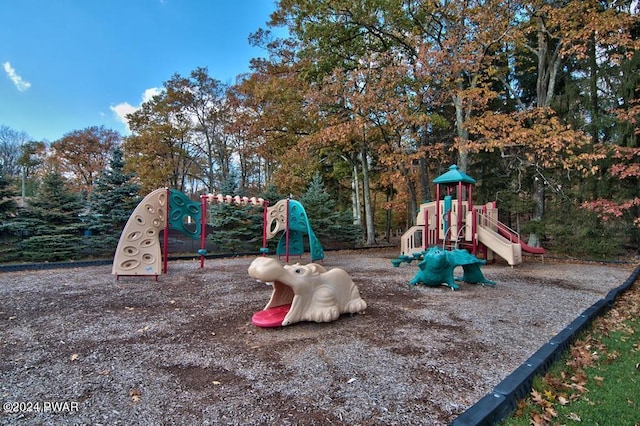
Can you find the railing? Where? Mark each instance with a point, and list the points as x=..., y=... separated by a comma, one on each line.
x=495, y=225
x=408, y=241
x=456, y=240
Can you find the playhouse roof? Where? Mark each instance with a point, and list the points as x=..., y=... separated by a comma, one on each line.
x=454, y=176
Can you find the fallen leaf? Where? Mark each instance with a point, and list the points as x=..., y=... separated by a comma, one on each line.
x=574, y=417
x=562, y=400
x=538, y=420
x=538, y=399
x=135, y=395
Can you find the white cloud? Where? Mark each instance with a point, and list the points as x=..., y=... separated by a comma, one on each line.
x=20, y=84
x=122, y=109
x=150, y=93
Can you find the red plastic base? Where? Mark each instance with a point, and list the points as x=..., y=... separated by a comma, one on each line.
x=271, y=317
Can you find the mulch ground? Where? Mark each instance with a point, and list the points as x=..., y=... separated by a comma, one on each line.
x=79, y=347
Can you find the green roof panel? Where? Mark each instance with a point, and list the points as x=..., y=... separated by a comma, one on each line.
x=454, y=176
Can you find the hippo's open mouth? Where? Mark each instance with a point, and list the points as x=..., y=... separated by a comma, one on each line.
x=278, y=307
x=270, y=271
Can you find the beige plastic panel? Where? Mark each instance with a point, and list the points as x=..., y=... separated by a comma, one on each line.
x=276, y=218
x=211, y=198
x=138, y=251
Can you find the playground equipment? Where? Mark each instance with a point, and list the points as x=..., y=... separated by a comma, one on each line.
x=139, y=251
x=456, y=223
x=304, y=293
x=289, y=216
x=437, y=268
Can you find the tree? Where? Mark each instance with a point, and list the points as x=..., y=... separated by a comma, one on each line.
x=433, y=60
x=271, y=194
x=8, y=205
x=201, y=99
x=180, y=137
x=158, y=150
x=113, y=199
x=50, y=224
x=327, y=223
x=623, y=201
x=8, y=209
x=269, y=107
x=11, y=142
x=556, y=32
x=85, y=153
x=33, y=157
x=235, y=227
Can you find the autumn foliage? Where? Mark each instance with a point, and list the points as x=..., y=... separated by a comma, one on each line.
x=535, y=99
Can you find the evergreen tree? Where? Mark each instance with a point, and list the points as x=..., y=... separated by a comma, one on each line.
x=328, y=224
x=272, y=194
x=8, y=205
x=51, y=222
x=8, y=208
x=113, y=199
x=234, y=227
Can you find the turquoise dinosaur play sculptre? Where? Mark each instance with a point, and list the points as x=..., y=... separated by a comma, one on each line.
x=437, y=267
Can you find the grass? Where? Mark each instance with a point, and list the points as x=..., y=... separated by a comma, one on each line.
x=598, y=381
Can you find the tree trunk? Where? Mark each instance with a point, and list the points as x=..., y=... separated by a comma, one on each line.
x=538, y=208
x=425, y=185
x=462, y=133
x=368, y=208
x=389, y=214
x=593, y=88
x=412, y=202
x=548, y=66
x=355, y=196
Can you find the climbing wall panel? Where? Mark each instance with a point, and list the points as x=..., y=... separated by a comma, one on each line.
x=276, y=219
x=139, y=251
x=181, y=208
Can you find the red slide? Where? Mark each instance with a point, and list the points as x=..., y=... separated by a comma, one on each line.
x=505, y=232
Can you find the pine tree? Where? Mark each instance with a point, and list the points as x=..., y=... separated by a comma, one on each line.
x=51, y=222
x=8, y=205
x=113, y=199
x=320, y=208
x=235, y=227
x=8, y=209
x=271, y=194
x=328, y=224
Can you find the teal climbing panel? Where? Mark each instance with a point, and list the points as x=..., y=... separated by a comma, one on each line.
x=181, y=207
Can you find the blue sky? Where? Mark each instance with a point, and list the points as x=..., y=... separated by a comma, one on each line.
x=66, y=65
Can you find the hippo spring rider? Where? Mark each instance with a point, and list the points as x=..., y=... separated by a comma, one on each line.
x=304, y=293
x=437, y=267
